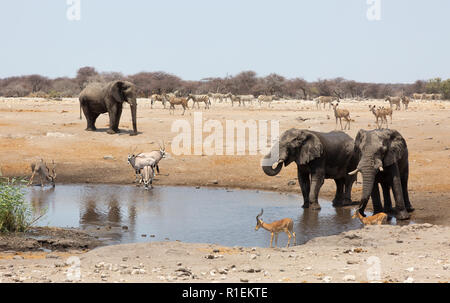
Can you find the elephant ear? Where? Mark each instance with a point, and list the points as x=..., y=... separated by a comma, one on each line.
x=358, y=139
x=117, y=91
x=311, y=148
x=396, y=148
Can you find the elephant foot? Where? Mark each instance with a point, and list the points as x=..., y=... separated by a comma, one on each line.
x=111, y=132
x=402, y=215
x=305, y=205
x=410, y=209
x=338, y=202
x=315, y=206
x=91, y=129
x=389, y=210
x=133, y=134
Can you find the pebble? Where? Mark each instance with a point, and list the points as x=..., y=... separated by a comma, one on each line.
x=326, y=279
x=18, y=258
x=52, y=256
x=244, y=280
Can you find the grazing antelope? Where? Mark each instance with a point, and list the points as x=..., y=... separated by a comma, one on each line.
x=199, y=98
x=341, y=113
x=158, y=98
x=405, y=101
x=372, y=220
x=284, y=225
x=147, y=176
x=177, y=101
x=394, y=100
x=41, y=168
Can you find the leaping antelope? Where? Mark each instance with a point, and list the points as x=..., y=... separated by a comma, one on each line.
x=372, y=220
x=284, y=225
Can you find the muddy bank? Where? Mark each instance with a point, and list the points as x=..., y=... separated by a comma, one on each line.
x=392, y=254
x=48, y=239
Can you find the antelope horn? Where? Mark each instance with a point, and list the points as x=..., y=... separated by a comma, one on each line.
x=260, y=214
x=354, y=172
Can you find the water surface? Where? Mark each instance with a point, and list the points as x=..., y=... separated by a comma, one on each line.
x=205, y=215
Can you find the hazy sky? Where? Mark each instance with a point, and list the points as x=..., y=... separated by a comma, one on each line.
x=195, y=39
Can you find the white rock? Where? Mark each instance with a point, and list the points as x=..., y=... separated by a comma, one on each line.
x=326, y=279
x=409, y=280
x=410, y=269
x=348, y=278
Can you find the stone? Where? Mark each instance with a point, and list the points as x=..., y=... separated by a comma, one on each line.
x=244, y=280
x=108, y=157
x=348, y=278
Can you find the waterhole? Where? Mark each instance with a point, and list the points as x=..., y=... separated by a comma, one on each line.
x=128, y=214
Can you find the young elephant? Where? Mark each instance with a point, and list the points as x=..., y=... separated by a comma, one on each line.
x=383, y=157
x=318, y=156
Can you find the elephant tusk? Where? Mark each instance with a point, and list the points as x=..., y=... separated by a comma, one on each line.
x=354, y=172
x=381, y=168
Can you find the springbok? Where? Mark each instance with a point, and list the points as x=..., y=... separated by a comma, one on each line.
x=341, y=113
x=284, y=225
x=372, y=220
x=41, y=168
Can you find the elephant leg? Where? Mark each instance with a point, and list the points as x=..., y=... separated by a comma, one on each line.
x=118, y=115
x=339, y=197
x=401, y=213
x=113, y=123
x=387, y=197
x=305, y=186
x=316, y=184
x=404, y=180
x=349, y=180
x=376, y=200
x=90, y=118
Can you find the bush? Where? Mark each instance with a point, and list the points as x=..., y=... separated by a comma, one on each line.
x=16, y=214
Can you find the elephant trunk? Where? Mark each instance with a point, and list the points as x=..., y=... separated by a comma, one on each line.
x=368, y=172
x=270, y=171
x=133, y=107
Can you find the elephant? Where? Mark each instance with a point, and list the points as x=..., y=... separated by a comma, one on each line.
x=98, y=98
x=383, y=155
x=318, y=156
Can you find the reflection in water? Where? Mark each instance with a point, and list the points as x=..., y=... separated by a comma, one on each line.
x=184, y=213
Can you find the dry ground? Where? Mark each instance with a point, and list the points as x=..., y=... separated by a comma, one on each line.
x=33, y=128
x=392, y=254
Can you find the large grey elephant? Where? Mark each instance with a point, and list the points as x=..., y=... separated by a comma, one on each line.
x=318, y=156
x=99, y=98
x=383, y=155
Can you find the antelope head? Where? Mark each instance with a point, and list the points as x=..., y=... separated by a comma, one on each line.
x=258, y=220
x=162, y=149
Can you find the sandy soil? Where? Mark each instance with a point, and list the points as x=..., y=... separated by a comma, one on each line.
x=33, y=128
x=414, y=253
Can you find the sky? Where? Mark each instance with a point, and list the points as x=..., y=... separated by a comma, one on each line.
x=195, y=39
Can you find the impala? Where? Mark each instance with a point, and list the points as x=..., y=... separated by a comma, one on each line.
x=284, y=225
x=375, y=219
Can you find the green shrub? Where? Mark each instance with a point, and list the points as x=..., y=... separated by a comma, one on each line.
x=16, y=215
